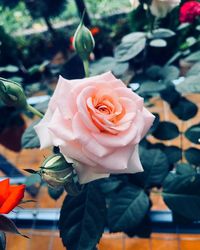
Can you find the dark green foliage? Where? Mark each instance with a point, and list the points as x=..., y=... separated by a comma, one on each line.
x=30, y=138
x=184, y=109
x=193, y=133
x=181, y=192
x=2, y=241
x=192, y=156
x=9, y=3
x=173, y=153
x=45, y=8
x=55, y=193
x=127, y=209
x=130, y=47
x=82, y=219
x=180, y=106
x=166, y=131
x=156, y=167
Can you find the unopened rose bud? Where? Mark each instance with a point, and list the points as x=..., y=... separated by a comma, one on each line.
x=83, y=41
x=56, y=171
x=12, y=94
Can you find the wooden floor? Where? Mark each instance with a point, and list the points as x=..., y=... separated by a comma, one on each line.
x=49, y=240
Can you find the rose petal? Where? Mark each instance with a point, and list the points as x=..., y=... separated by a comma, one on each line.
x=61, y=129
x=85, y=138
x=114, y=162
x=13, y=199
x=87, y=174
x=74, y=151
x=4, y=190
x=43, y=132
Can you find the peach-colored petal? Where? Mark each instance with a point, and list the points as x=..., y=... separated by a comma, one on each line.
x=132, y=135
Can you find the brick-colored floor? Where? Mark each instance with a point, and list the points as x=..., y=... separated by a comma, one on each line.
x=49, y=240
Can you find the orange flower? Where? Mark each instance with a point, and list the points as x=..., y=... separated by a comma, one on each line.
x=10, y=196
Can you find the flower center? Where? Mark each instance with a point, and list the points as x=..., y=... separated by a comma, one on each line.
x=103, y=109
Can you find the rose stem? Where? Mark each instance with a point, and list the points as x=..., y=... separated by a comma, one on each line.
x=34, y=111
x=86, y=67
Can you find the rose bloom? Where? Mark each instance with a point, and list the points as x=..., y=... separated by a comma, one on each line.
x=97, y=123
x=189, y=11
x=10, y=196
x=160, y=8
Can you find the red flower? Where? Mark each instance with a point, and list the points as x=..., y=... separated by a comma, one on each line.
x=10, y=196
x=189, y=11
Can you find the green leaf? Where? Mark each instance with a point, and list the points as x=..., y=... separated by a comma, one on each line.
x=7, y=225
x=133, y=37
x=163, y=33
x=181, y=193
x=185, y=168
x=127, y=209
x=150, y=87
x=82, y=219
x=55, y=193
x=128, y=50
x=173, y=153
x=30, y=138
x=166, y=131
x=194, y=70
x=2, y=241
x=153, y=72
x=193, y=133
x=192, y=156
x=193, y=57
x=189, y=85
x=32, y=179
x=108, y=63
x=160, y=43
x=9, y=68
x=156, y=166
x=169, y=73
x=184, y=109
x=108, y=185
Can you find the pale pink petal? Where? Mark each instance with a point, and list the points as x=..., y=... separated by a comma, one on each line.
x=82, y=108
x=42, y=130
x=86, y=140
x=61, y=97
x=87, y=174
x=149, y=118
x=131, y=135
x=61, y=128
x=115, y=161
x=126, y=92
x=74, y=151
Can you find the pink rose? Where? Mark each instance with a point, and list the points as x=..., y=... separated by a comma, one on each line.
x=97, y=123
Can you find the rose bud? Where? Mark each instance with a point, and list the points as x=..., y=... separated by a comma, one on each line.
x=56, y=171
x=12, y=94
x=83, y=41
